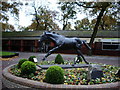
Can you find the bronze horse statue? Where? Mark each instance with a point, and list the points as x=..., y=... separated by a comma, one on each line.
x=61, y=42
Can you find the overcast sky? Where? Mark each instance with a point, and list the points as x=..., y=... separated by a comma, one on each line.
x=25, y=11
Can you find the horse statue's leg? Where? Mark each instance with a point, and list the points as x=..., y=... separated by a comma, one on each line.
x=51, y=51
x=77, y=59
x=80, y=54
x=78, y=47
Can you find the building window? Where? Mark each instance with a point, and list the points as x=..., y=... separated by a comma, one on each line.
x=111, y=46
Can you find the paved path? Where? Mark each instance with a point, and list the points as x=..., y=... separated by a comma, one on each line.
x=95, y=59
x=111, y=60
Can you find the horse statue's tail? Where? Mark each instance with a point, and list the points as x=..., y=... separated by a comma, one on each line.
x=86, y=45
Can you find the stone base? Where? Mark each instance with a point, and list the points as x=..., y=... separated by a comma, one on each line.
x=96, y=74
x=65, y=66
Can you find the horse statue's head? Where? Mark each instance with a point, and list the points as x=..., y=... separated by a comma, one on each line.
x=47, y=36
x=44, y=36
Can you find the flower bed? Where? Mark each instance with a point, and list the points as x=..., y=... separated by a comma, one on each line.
x=12, y=81
x=75, y=76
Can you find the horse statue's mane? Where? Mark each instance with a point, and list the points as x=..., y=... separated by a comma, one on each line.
x=49, y=32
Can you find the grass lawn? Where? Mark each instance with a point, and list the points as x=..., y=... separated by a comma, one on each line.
x=6, y=53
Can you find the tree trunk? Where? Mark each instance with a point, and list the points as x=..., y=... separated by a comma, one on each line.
x=102, y=26
x=64, y=23
x=64, y=26
x=37, y=22
x=96, y=29
x=45, y=26
x=37, y=19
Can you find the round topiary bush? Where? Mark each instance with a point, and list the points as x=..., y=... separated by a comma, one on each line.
x=28, y=67
x=54, y=75
x=31, y=58
x=21, y=61
x=59, y=59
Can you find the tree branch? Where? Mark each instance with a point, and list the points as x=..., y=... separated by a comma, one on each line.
x=81, y=5
x=37, y=19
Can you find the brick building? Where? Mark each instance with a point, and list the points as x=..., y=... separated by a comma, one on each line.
x=106, y=42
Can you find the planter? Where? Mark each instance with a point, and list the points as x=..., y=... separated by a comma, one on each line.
x=10, y=56
x=11, y=81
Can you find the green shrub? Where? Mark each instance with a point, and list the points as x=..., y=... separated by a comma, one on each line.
x=28, y=67
x=21, y=61
x=31, y=58
x=59, y=59
x=54, y=75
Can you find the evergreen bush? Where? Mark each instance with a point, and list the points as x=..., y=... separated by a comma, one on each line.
x=31, y=58
x=21, y=61
x=59, y=59
x=28, y=67
x=54, y=75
